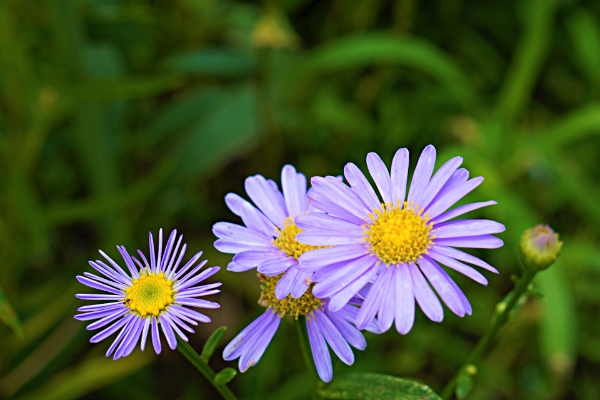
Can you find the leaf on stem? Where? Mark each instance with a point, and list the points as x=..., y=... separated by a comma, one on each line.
x=212, y=343
x=372, y=386
x=224, y=376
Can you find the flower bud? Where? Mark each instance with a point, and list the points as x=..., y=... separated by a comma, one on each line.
x=539, y=247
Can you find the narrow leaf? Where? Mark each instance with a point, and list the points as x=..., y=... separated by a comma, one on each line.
x=212, y=343
x=225, y=376
x=9, y=316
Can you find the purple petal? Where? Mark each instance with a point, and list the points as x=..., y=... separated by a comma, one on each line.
x=99, y=296
x=111, y=329
x=231, y=247
x=425, y=296
x=334, y=338
x=259, y=343
x=316, y=238
x=108, y=319
x=440, y=281
x=440, y=178
x=323, y=202
x=372, y=302
x=467, y=227
x=441, y=204
x=399, y=176
x=381, y=176
x=341, y=298
x=361, y=186
x=188, y=281
x=422, y=174
x=319, y=350
x=336, y=191
x=109, y=272
x=252, y=258
x=269, y=201
x=117, y=267
x=174, y=275
x=99, y=286
x=234, y=349
x=147, y=322
x=101, y=313
x=156, y=337
x=112, y=283
x=319, y=258
x=198, y=303
x=387, y=304
x=458, y=178
x=168, y=332
x=190, y=313
x=294, y=190
x=459, y=267
x=461, y=210
x=174, y=327
x=324, y=223
x=240, y=234
x=300, y=285
x=350, y=313
x=462, y=256
x=256, y=221
x=405, y=300
x=276, y=266
x=471, y=242
x=237, y=268
x=103, y=306
x=284, y=286
x=121, y=337
x=348, y=331
x=342, y=277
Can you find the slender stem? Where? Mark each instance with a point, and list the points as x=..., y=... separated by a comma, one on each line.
x=193, y=357
x=503, y=310
x=301, y=331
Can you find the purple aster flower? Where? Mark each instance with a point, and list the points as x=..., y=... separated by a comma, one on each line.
x=159, y=293
x=397, y=244
x=325, y=328
x=266, y=242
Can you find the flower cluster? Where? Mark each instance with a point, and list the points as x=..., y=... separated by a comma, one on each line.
x=346, y=259
x=340, y=257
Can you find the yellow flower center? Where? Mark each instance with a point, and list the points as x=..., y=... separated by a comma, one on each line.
x=150, y=295
x=303, y=305
x=398, y=234
x=287, y=240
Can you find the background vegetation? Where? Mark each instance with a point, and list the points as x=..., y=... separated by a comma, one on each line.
x=122, y=116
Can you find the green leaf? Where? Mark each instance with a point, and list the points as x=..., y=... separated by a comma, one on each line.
x=584, y=31
x=224, y=62
x=212, y=343
x=378, y=49
x=9, y=316
x=231, y=127
x=225, y=376
x=372, y=386
x=464, y=384
x=112, y=89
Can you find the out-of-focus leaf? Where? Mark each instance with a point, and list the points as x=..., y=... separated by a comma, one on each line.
x=372, y=386
x=9, y=316
x=585, y=36
x=90, y=375
x=212, y=343
x=464, y=384
x=224, y=62
x=183, y=112
x=574, y=126
x=112, y=89
x=528, y=59
x=559, y=323
x=379, y=49
x=224, y=376
x=232, y=127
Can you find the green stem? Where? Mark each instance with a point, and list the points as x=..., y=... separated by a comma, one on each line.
x=193, y=357
x=503, y=310
x=301, y=331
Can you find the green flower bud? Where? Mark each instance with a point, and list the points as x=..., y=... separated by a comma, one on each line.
x=539, y=247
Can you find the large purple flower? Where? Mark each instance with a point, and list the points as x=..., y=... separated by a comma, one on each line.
x=158, y=293
x=324, y=327
x=266, y=242
x=396, y=243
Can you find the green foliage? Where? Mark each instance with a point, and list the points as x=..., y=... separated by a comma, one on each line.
x=224, y=376
x=212, y=343
x=120, y=117
x=9, y=316
x=371, y=386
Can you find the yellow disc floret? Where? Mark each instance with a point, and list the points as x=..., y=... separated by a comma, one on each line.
x=287, y=240
x=303, y=305
x=150, y=295
x=398, y=234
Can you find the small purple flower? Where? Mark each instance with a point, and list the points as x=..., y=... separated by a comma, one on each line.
x=158, y=293
x=325, y=328
x=396, y=243
x=266, y=242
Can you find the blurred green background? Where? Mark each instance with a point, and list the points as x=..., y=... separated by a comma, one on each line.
x=122, y=116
